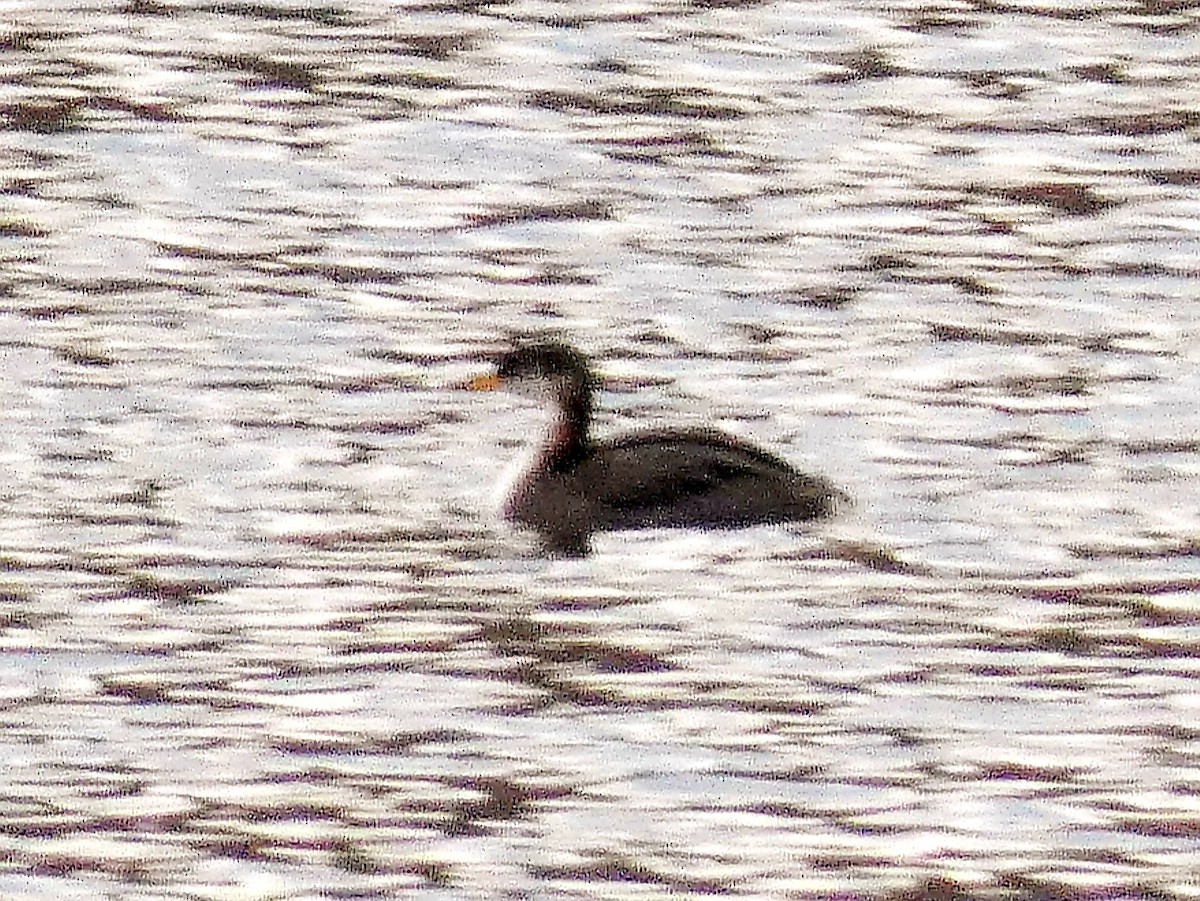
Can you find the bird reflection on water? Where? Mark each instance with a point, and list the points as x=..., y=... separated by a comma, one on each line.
x=662, y=478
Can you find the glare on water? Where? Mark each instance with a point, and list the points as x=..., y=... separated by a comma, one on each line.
x=264, y=633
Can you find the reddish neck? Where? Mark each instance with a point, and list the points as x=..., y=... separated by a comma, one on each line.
x=567, y=445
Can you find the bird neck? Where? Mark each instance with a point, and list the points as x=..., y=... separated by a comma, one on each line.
x=569, y=441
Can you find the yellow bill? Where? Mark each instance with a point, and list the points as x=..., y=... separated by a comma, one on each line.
x=489, y=382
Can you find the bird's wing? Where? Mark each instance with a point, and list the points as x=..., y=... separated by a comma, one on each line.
x=658, y=469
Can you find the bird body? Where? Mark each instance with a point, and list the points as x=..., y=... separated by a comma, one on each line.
x=672, y=478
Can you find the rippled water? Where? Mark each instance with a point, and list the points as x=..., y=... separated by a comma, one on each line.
x=263, y=634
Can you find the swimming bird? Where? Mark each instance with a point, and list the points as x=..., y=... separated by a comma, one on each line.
x=664, y=478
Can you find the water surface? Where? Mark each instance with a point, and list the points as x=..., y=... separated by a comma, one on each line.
x=262, y=632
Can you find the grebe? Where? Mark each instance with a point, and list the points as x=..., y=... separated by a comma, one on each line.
x=669, y=478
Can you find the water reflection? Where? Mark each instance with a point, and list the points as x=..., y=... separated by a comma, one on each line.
x=262, y=631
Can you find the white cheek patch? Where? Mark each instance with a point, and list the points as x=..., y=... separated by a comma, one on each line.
x=543, y=391
x=529, y=460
